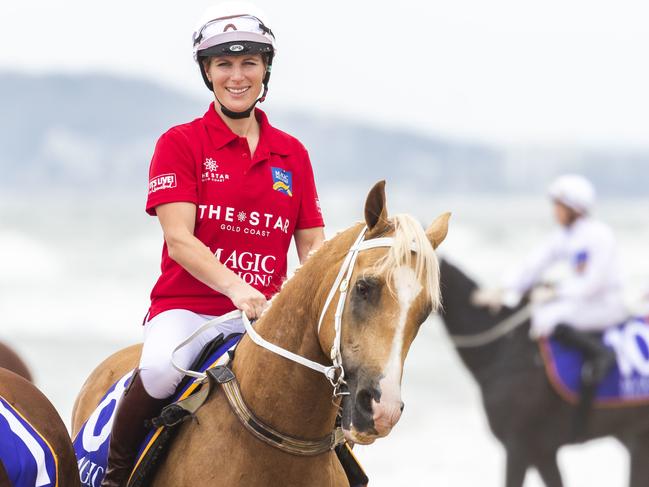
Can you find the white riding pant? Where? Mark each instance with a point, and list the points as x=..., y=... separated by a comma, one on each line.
x=586, y=315
x=166, y=331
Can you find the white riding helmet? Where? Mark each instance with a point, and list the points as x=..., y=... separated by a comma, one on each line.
x=574, y=191
x=231, y=29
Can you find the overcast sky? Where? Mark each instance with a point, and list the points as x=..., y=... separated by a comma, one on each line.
x=512, y=71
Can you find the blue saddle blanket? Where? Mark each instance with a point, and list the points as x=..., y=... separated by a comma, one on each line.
x=26, y=455
x=626, y=384
x=91, y=442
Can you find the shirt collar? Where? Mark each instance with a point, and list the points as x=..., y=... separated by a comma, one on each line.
x=271, y=140
x=220, y=134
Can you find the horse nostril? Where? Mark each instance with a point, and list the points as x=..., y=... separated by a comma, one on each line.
x=364, y=400
x=402, y=406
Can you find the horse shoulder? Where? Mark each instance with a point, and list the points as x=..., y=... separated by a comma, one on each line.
x=99, y=380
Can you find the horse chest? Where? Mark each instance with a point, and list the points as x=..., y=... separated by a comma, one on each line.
x=216, y=450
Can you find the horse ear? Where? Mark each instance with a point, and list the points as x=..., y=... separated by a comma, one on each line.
x=437, y=231
x=376, y=213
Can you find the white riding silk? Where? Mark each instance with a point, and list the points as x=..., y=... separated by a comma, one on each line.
x=590, y=297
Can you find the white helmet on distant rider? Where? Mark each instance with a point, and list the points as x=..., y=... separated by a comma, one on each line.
x=574, y=191
x=234, y=29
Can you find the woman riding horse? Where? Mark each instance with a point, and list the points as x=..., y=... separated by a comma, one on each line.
x=590, y=299
x=524, y=412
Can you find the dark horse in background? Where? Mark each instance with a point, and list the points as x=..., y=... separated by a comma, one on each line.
x=524, y=412
x=11, y=361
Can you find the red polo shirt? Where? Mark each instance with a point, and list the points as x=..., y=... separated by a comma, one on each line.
x=246, y=208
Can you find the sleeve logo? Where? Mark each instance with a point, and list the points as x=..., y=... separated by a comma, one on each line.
x=164, y=181
x=282, y=180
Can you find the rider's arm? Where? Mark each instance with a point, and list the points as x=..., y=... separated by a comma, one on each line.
x=309, y=224
x=177, y=221
x=308, y=240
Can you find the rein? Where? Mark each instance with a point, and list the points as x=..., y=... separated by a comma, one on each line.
x=495, y=332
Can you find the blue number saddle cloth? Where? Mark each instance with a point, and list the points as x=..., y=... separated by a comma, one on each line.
x=627, y=384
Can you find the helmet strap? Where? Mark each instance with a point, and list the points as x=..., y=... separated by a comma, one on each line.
x=236, y=115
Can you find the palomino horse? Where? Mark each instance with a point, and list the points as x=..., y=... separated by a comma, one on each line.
x=37, y=410
x=11, y=361
x=524, y=412
x=391, y=292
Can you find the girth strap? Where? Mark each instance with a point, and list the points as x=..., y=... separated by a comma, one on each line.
x=224, y=376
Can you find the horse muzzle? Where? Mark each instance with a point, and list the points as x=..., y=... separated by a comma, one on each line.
x=369, y=413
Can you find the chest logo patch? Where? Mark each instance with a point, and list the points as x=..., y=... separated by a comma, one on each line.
x=211, y=172
x=580, y=261
x=282, y=180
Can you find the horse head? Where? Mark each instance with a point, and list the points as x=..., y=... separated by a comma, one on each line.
x=391, y=292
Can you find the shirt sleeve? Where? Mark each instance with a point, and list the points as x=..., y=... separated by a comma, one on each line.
x=310, y=214
x=172, y=174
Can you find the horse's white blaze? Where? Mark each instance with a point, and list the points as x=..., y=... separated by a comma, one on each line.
x=388, y=411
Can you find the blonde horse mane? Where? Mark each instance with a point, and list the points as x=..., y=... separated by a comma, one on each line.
x=407, y=231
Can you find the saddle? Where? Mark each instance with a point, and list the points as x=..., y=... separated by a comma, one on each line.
x=189, y=397
x=626, y=384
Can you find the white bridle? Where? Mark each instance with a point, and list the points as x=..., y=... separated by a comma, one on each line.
x=334, y=373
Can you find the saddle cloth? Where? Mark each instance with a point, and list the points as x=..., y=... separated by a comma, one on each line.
x=91, y=442
x=627, y=384
x=28, y=459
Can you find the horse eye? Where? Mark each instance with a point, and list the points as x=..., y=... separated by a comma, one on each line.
x=362, y=288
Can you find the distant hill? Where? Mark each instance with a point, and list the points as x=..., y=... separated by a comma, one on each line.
x=96, y=131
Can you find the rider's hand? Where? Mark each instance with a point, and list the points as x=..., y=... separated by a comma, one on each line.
x=488, y=298
x=247, y=299
x=542, y=294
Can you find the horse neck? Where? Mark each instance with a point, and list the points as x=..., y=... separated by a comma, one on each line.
x=487, y=362
x=462, y=319
x=479, y=360
x=288, y=396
